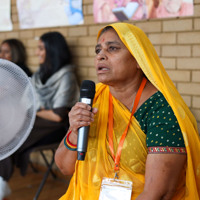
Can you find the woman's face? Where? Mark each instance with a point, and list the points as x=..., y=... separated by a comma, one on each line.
x=41, y=52
x=114, y=63
x=5, y=52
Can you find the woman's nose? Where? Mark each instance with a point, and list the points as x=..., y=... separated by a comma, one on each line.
x=101, y=55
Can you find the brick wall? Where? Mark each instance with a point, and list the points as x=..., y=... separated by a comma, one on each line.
x=177, y=41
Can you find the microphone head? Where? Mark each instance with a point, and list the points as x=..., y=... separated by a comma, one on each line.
x=87, y=89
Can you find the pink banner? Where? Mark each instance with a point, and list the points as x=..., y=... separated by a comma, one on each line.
x=120, y=10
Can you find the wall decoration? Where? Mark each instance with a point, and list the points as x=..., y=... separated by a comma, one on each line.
x=121, y=10
x=5, y=15
x=49, y=13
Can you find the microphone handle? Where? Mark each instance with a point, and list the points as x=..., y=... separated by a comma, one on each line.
x=83, y=135
x=82, y=142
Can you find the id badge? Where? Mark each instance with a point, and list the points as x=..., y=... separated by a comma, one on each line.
x=115, y=189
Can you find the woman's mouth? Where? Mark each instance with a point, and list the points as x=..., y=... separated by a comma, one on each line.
x=102, y=68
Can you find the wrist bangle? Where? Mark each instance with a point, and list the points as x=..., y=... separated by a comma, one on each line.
x=68, y=144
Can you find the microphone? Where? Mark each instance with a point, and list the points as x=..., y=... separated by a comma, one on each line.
x=87, y=93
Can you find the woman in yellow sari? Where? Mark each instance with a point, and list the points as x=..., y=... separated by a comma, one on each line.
x=141, y=131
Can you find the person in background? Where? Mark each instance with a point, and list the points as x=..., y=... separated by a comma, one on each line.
x=143, y=141
x=14, y=51
x=56, y=90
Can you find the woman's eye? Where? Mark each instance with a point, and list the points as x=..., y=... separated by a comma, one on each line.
x=97, y=51
x=111, y=48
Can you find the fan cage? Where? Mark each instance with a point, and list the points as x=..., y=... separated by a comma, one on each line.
x=17, y=107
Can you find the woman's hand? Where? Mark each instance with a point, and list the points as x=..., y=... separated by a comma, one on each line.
x=80, y=115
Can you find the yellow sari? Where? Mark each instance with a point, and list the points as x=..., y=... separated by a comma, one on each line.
x=86, y=181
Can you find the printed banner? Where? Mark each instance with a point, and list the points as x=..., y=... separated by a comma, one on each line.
x=49, y=13
x=5, y=15
x=120, y=10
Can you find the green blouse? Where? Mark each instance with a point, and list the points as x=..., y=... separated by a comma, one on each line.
x=158, y=122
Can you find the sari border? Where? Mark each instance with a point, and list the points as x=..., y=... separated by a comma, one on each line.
x=178, y=150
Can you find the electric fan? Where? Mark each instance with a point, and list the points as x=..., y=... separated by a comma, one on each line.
x=17, y=107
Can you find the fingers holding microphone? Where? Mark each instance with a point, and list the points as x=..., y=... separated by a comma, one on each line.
x=81, y=115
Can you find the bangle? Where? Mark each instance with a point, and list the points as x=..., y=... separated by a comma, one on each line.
x=68, y=144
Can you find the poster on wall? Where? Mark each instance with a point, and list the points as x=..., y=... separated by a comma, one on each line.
x=49, y=13
x=121, y=10
x=5, y=15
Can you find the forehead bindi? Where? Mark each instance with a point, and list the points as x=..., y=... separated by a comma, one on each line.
x=102, y=39
x=107, y=39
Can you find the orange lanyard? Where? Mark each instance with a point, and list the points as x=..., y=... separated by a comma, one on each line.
x=110, y=125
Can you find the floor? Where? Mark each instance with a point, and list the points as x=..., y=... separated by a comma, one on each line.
x=24, y=188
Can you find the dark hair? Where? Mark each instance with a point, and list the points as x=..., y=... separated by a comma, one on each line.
x=18, y=51
x=57, y=54
x=107, y=28
x=18, y=54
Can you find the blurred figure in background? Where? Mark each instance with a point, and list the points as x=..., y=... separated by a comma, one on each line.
x=57, y=90
x=55, y=84
x=14, y=51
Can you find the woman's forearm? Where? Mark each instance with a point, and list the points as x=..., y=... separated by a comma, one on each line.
x=66, y=159
x=49, y=115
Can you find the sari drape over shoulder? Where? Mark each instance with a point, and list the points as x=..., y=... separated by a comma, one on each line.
x=86, y=181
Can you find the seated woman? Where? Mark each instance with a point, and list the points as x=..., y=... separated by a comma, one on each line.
x=14, y=51
x=143, y=139
x=56, y=88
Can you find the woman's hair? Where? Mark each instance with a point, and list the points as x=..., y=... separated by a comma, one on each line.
x=18, y=51
x=105, y=29
x=57, y=54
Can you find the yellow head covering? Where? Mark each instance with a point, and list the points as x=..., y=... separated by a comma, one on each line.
x=143, y=51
